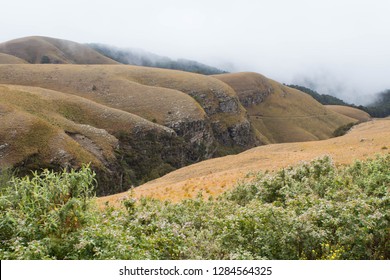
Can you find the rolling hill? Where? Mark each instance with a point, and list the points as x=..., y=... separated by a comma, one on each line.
x=37, y=49
x=176, y=119
x=351, y=112
x=42, y=128
x=133, y=123
x=46, y=50
x=282, y=114
x=10, y=59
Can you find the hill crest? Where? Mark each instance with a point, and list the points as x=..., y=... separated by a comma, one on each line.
x=44, y=50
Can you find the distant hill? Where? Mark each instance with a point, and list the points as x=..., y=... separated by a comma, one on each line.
x=45, y=50
x=282, y=114
x=351, y=112
x=10, y=59
x=324, y=99
x=380, y=108
x=143, y=58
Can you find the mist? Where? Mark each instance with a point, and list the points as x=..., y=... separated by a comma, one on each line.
x=337, y=47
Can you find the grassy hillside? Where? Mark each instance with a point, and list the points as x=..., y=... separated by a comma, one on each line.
x=351, y=112
x=198, y=107
x=45, y=128
x=160, y=120
x=44, y=50
x=215, y=176
x=10, y=59
x=283, y=114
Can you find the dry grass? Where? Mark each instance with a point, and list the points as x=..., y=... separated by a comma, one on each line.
x=33, y=49
x=215, y=176
x=112, y=86
x=284, y=114
x=39, y=121
x=10, y=59
x=27, y=137
x=350, y=112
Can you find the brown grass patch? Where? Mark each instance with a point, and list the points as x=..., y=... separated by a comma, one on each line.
x=351, y=112
x=10, y=59
x=283, y=114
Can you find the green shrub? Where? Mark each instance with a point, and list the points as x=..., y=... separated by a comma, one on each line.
x=36, y=212
x=342, y=130
x=313, y=211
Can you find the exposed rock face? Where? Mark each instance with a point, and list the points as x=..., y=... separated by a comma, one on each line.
x=254, y=97
x=242, y=134
x=235, y=138
x=227, y=118
x=199, y=137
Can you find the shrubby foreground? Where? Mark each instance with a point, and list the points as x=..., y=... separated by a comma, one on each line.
x=313, y=211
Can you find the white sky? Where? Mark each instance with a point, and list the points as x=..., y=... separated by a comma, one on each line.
x=341, y=45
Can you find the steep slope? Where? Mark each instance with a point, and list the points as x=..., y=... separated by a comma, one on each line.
x=280, y=113
x=10, y=59
x=44, y=128
x=154, y=120
x=38, y=49
x=203, y=110
x=215, y=176
x=351, y=112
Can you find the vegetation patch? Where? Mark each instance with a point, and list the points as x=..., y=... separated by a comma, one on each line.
x=313, y=211
x=342, y=130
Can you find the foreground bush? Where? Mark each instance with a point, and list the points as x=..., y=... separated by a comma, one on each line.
x=38, y=213
x=313, y=211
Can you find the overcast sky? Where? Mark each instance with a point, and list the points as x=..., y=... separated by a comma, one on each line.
x=338, y=45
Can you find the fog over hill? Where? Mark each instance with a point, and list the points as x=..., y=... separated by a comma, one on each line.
x=143, y=58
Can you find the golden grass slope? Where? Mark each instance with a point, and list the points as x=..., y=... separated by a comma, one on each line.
x=109, y=85
x=215, y=176
x=10, y=59
x=283, y=114
x=160, y=119
x=37, y=49
x=351, y=112
x=51, y=124
x=170, y=98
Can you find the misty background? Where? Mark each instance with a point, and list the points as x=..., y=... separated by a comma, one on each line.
x=337, y=47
